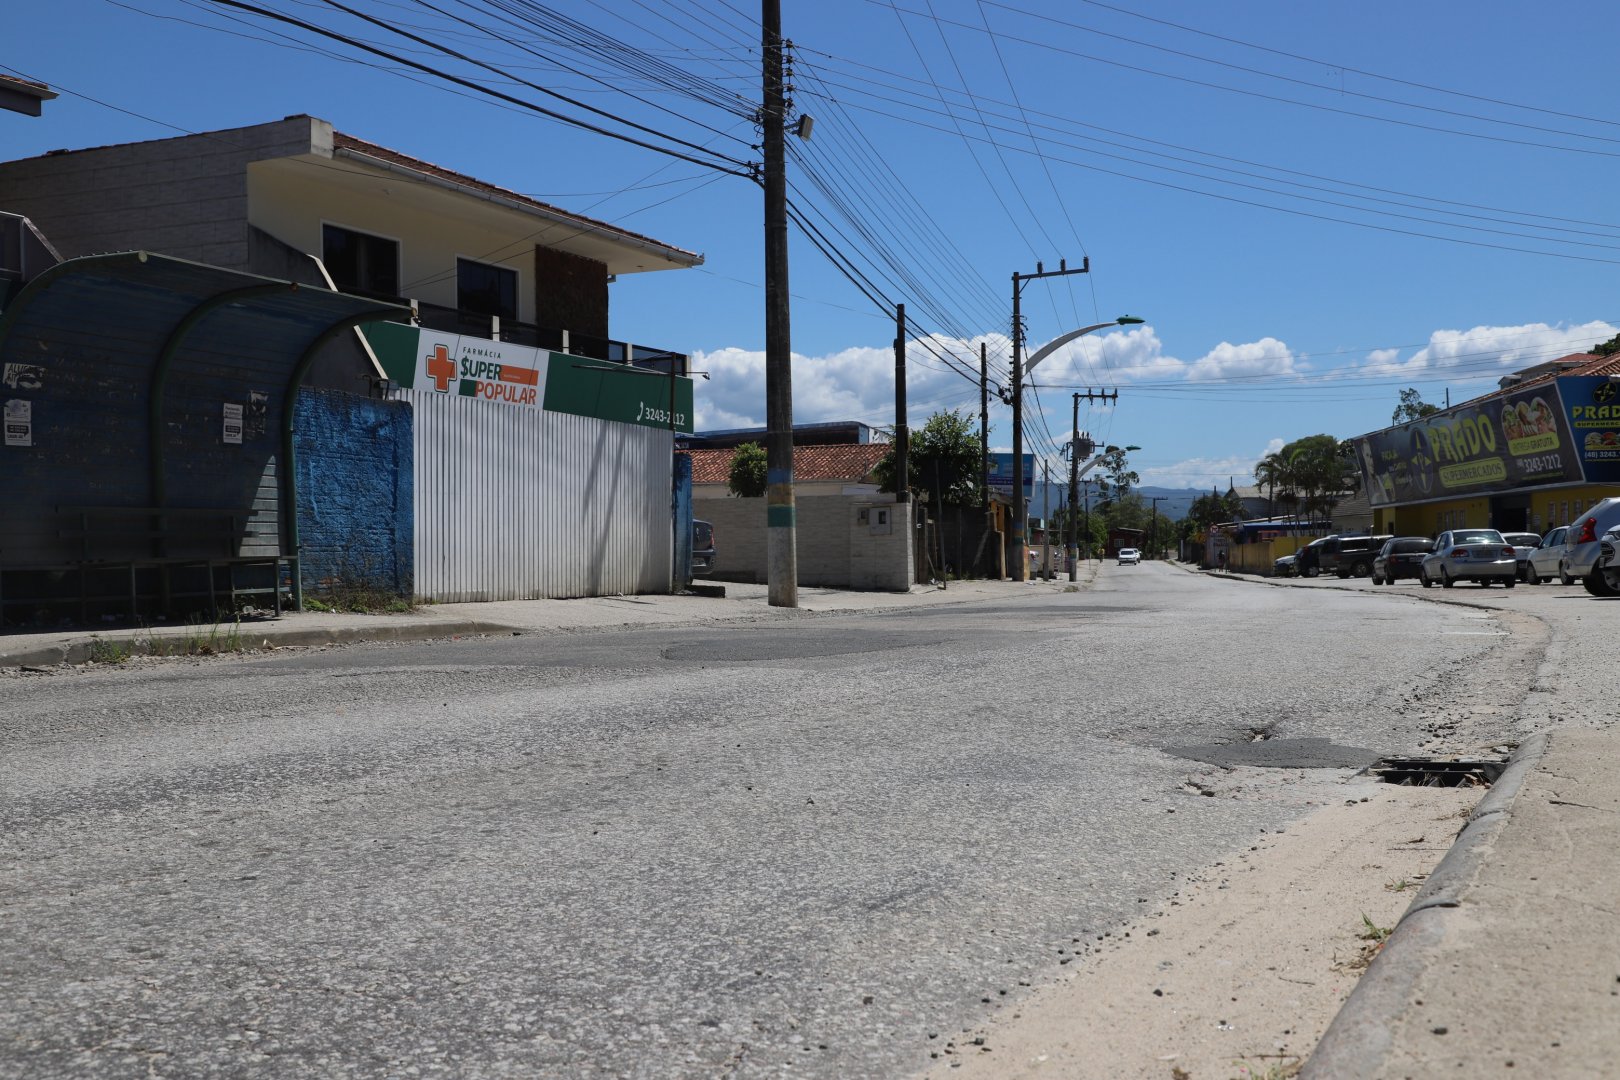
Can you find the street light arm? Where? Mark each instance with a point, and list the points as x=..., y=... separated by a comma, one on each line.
x=1058, y=342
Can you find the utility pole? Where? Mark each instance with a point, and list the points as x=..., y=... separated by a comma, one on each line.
x=1081, y=447
x=902, y=434
x=1020, y=521
x=1153, y=524
x=1046, y=519
x=984, y=431
x=781, y=554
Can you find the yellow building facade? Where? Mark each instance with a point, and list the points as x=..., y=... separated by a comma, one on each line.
x=1528, y=457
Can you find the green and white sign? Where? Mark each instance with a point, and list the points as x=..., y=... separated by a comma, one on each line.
x=500, y=371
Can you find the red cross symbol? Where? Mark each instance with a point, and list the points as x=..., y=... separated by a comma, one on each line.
x=441, y=369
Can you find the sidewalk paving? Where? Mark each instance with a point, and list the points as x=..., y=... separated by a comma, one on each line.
x=1507, y=962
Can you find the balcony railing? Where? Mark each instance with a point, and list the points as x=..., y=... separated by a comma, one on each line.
x=456, y=321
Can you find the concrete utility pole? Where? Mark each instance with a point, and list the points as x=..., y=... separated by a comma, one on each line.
x=984, y=431
x=781, y=553
x=1046, y=519
x=1153, y=524
x=1082, y=446
x=902, y=433
x=1020, y=522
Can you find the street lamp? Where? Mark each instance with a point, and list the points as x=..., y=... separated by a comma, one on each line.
x=1019, y=368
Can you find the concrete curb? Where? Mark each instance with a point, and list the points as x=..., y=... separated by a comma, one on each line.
x=79, y=652
x=1356, y=1044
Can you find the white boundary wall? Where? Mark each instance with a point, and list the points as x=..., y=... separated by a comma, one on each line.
x=518, y=504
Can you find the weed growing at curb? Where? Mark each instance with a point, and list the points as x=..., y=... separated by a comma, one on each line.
x=1283, y=1070
x=103, y=651
x=1371, y=931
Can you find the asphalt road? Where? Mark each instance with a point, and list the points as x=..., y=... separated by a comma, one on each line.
x=813, y=849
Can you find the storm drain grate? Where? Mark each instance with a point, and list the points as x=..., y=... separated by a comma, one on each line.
x=1439, y=772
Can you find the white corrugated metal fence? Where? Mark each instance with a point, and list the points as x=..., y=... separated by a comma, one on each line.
x=516, y=503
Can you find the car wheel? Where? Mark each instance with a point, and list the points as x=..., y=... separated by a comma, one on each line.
x=1445, y=578
x=1510, y=582
x=1531, y=577
x=1597, y=584
x=1361, y=569
x=1427, y=584
x=1564, y=575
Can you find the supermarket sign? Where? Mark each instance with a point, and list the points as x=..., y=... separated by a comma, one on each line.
x=508, y=374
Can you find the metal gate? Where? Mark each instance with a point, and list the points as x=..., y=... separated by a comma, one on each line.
x=517, y=503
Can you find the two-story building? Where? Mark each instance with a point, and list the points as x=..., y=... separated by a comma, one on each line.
x=506, y=291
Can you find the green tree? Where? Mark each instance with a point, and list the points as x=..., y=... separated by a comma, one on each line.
x=1607, y=348
x=748, y=472
x=1213, y=509
x=1412, y=407
x=943, y=457
x=1117, y=477
x=1320, y=469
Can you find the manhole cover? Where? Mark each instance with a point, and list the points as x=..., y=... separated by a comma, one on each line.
x=1280, y=754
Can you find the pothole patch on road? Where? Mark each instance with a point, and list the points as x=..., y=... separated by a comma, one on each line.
x=1273, y=753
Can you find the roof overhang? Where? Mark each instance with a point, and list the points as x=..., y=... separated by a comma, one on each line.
x=22, y=96
x=622, y=251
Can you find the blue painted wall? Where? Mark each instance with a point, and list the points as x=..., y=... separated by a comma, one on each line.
x=681, y=506
x=355, y=511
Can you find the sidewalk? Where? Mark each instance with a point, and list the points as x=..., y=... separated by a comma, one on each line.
x=746, y=602
x=1508, y=960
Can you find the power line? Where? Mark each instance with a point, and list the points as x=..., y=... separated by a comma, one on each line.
x=740, y=168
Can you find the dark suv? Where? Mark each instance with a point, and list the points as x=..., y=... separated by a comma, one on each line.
x=1347, y=556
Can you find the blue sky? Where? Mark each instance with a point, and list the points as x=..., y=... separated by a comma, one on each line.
x=1312, y=205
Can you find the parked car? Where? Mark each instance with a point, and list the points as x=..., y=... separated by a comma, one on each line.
x=1547, y=561
x=1283, y=567
x=1581, y=545
x=1470, y=555
x=1524, y=545
x=1347, y=556
x=1129, y=555
x=702, y=548
x=1608, y=565
x=1308, y=563
x=1400, y=557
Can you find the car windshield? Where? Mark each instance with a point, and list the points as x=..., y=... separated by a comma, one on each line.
x=1408, y=547
x=1522, y=539
x=1476, y=536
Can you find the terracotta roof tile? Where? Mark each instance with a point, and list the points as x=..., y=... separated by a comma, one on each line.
x=850, y=463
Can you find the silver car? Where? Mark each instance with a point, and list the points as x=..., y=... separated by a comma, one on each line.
x=1547, y=561
x=1470, y=555
x=1581, y=544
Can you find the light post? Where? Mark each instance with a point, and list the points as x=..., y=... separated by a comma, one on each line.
x=1019, y=369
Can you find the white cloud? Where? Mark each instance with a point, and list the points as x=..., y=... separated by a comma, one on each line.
x=1268, y=356
x=1490, y=350
x=1207, y=472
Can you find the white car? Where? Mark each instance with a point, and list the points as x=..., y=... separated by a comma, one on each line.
x=1129, y=555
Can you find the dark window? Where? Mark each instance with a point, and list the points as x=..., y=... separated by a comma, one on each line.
x=360, y=263
x=485, y=289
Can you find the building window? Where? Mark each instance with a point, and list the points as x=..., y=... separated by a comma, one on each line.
x=486, y=289
x=359, y=262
